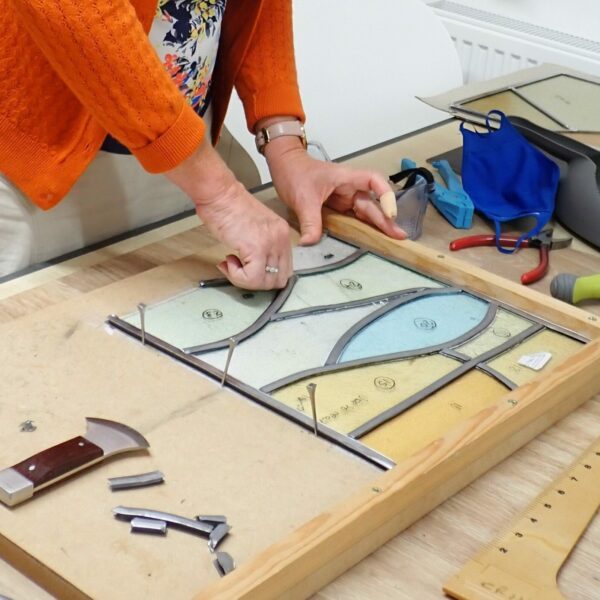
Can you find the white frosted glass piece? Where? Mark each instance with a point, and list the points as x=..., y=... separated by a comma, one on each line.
x=286, y=347
x=204, y=315
x=326, y=252
x=367, y=277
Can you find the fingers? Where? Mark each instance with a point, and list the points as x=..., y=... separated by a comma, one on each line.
x=369, y=181
x=310, y=218
x=259, y=273
x=369, y=211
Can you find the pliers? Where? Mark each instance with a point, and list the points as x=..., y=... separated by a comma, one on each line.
x=543, y=241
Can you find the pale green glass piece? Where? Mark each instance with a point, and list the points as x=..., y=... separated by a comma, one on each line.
x=504, y=326
x=367, y=277
x=285, y=347
x=575, y=102
x=204, y=315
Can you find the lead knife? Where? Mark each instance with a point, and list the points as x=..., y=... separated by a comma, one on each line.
x=102, y=439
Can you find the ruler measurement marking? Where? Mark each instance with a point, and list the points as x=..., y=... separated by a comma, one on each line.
x=525, y=558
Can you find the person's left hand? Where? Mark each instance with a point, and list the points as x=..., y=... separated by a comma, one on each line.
x=305, y=184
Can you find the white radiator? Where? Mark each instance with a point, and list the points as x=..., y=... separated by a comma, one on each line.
x=490, y=45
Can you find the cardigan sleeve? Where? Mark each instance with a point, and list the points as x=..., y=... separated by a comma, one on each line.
x=267, y=81
x=100, y=50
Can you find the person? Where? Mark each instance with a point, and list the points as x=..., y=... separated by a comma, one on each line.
x=101, y=96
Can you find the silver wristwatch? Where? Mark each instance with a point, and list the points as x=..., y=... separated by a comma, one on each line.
x=266, y=134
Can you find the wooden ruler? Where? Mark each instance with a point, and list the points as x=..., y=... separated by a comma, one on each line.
x=523, y=563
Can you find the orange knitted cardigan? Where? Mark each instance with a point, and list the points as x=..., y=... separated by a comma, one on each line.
x=73, y=70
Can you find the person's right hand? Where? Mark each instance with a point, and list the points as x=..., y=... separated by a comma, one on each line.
x=260, y=238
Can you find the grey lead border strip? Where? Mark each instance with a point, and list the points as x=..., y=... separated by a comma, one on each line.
x=360, y=252
x=503, y=379
x=383, y=358
x=354, y=446
x=399, y=408
x=264, y=318
x=451, y=353
x=313, y=310
x=366, y=321
x=221, y=281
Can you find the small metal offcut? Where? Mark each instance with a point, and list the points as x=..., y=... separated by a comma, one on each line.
x=135, y=481
x=223, y=563
x=153, y=526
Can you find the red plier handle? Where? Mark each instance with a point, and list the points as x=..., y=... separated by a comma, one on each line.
x=508, y=241
x=542, y=268
x=474, y=241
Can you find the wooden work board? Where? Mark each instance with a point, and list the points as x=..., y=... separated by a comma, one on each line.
x=353, y=513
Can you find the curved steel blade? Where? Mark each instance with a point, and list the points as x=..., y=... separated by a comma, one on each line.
x=113, y=437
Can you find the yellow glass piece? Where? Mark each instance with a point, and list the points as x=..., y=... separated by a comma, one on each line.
x=560, y=346
x=504, y=326
x=433, y=417
x=347, y=399
x=510, y=104
x=366, y=277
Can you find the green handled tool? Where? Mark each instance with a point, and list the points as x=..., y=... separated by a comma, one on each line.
x=573, y=289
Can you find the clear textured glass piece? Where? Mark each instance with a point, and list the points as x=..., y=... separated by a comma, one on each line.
x=574, y=102
x=326, y=252
x=512, y=105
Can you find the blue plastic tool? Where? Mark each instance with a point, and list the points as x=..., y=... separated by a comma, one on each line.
x=454, y=203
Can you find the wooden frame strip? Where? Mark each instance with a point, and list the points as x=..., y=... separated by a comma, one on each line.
x=324, y=548
x=331, y=543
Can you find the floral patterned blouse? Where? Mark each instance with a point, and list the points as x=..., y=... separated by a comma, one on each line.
x=185, y=35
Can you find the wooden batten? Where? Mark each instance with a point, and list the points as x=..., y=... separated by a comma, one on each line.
x=325, y=547
x=462, y=274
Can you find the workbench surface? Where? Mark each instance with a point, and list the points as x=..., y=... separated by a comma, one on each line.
x=416, y=563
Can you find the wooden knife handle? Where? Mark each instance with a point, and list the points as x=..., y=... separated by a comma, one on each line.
x=59, y=461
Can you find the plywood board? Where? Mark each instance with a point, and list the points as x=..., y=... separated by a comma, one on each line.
x=219, y=452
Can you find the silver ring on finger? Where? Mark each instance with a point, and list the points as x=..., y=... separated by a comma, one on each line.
x=270, y=269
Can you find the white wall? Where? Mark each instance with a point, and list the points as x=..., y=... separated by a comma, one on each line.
x=576, y=17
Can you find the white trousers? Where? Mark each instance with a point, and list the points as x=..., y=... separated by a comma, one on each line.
x=113, y=196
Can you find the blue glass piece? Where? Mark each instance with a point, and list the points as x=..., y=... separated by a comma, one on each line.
x=424, y=322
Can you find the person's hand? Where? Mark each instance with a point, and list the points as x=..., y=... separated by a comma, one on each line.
x=305, y=184
x=260, y=238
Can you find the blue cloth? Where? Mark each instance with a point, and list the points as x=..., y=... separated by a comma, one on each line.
x=507, y=177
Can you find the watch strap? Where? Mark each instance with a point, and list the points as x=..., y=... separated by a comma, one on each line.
x=282, y=128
